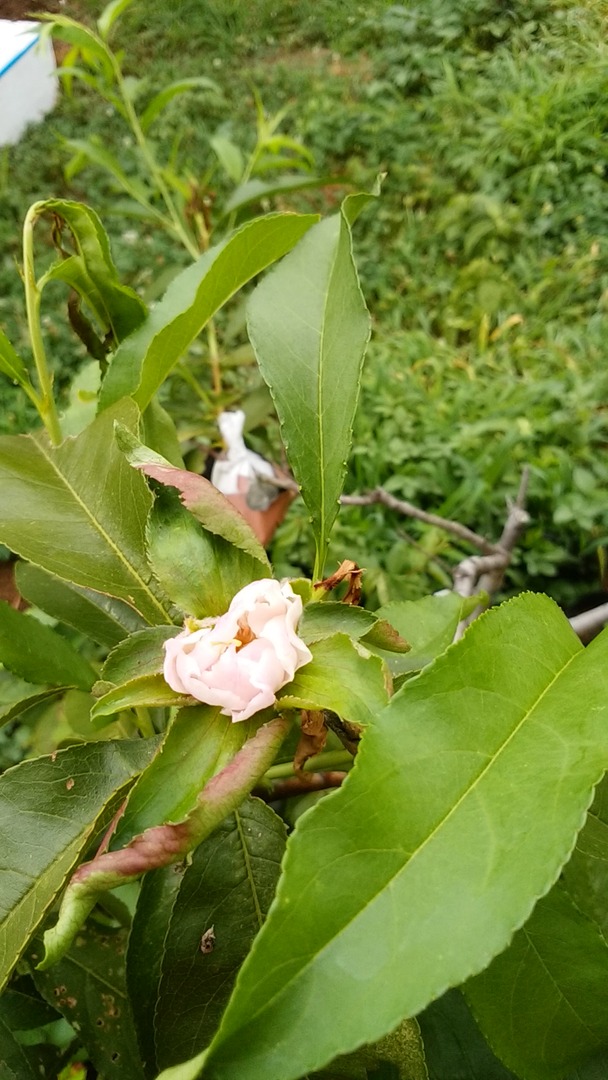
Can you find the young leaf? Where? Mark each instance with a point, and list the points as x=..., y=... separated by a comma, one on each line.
x=88, y=987
x=49, y=811
x=458, y=815
x=209, y=923
x=454, y=1047
x=75, y=33
x=309, y=327
x=141, y=363
x=343, y=677
x=39, y=654
x=79, y=511
x=100, y=617
x=543, y=1003
x=110, y=14
x=168, y=93
x=91, y=271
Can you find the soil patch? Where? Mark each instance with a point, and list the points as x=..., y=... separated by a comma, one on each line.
x=25, y=9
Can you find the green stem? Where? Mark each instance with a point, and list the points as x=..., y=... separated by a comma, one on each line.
x=144, y=723
x=156, y=173
x=214, y=357
x=185, y=374
x=46, y=403
x=327, y=762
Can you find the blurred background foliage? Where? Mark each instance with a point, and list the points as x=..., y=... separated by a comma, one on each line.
x=484, y=264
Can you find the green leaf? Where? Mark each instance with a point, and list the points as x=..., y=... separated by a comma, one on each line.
x=454, y=1047
x=75, y=33
x=159, y=889
x=543, y=1003
x=324, y=619
x=149, y=691
x=199, y=571
x=139, y=654
x=229, y=156
x=188, y=1070
x=168, y=93
x=12, y=365
x=586, y=872
x=49, y=811
x=458, y=815
x=254, y=190
x=199, y=742
x=197, y=494
x=14, y=1061
x=88, y=987
x=159, y=432
x=100, y=617
x=79, y=511
x=227, y=889
x=89, y=150
x=24, y=710
x=142, y=363
x=39, y=654
x=309, y=327
x=428, y=624
x=343, y=677
x=401, y=1053
x=110, y=14
x=24, y=1011
x=17, y=696
x=91, y=272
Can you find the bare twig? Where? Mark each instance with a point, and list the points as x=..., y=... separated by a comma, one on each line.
x=486, y=572
x=587, y=624
x=296, y=785
x=379, y=495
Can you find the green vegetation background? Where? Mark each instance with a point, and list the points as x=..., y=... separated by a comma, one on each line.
x=485, y=264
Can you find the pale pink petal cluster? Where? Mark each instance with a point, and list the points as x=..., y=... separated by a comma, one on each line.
x=240, y=660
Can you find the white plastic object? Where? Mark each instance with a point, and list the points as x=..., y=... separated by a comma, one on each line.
x=239, y=464
x=28, y=79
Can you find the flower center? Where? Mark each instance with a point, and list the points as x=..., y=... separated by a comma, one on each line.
x=245, y=634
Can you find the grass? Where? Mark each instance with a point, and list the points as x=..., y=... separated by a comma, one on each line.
x=485, y=264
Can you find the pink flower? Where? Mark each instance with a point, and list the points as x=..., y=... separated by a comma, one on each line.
x=241, y=659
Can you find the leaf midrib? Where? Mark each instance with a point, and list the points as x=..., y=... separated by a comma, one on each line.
x=248, y=869
x=478, y=779
x=106, y=537
x=322, y=485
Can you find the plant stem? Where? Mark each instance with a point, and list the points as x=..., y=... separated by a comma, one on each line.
x=214, y=357
x=156, y=173
x=332, y=759
x=144, y=723
x=177, y=223
x=184, y=372
x=46, y=403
